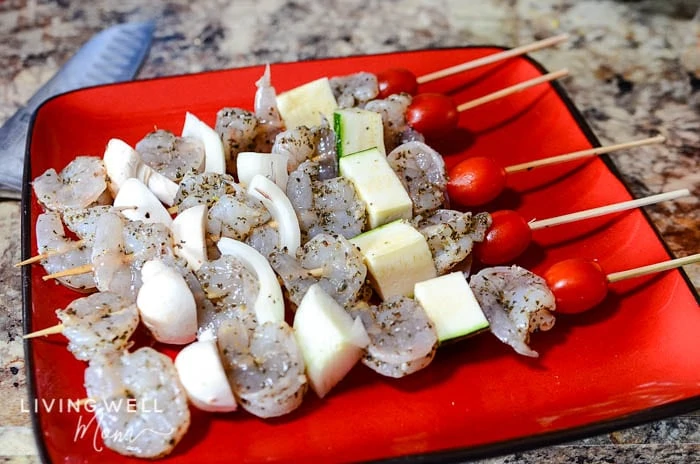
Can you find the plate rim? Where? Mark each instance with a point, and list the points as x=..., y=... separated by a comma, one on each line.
x=499, y=448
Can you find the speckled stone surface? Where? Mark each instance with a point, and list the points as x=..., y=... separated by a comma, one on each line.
x=635, y=69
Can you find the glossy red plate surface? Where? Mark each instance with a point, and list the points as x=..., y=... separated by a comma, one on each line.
x=632, y=359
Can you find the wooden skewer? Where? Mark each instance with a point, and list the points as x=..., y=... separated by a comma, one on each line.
x=512, y=89
x=583, y=154
x=83, y=401
x=315, y=272
x=58, y=328
x=652, y=268
x=47, y=254
x=614, y=208
x=504, y=55
x=55, y=329
x=84, y=269
x=534, y=225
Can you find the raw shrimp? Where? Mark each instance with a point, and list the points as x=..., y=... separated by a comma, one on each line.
x=403, y=340
x=235, y=215
x=422, y=172
x=120, y=249
x=324, y=206
x=516, y=303
x=203, y=189
x=354, y=89
x=83, y=222
x=98, y=324
x=82, y=183
x=396, y=128
x=232, y=291
x=171, y=155
x=265, y=367
x=309, y=143
x=339, y=268
x=265, y=239
x=237, y=128
x=139, y=402
x=451, y=235
x=232, y=212
x=64, y=252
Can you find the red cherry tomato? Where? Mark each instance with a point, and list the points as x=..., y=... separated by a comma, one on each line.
x=578, y=285
x=432, y=114
x=396, y=80
x=508, y=236
x=476, y=181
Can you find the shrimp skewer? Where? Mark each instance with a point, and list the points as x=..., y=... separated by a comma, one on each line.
x=120, y=249
x=80, y=221
x=355, y=89
x=477, y=180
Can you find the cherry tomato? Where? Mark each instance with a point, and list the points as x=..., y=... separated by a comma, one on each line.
x=508, y=236
x=476, y=181
x=578, y=285
x=396, y=80
x=432, y=114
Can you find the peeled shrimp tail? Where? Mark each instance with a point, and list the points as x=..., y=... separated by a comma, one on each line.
x=266, y=102
x=269, y=119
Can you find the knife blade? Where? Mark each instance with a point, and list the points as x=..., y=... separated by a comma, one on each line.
x=113, y=55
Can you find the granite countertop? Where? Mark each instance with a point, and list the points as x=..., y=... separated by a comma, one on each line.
x=635, y=68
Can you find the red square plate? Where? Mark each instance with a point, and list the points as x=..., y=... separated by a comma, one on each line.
x=633, y=359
